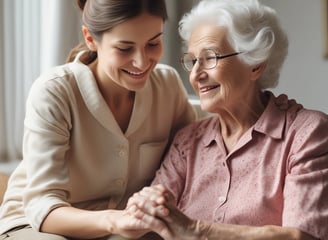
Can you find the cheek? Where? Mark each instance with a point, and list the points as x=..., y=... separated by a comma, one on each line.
x=227, y=74
x=117, y=61
x=156, y=53
x=111, y=66
x=226, y=67
x=226, y=89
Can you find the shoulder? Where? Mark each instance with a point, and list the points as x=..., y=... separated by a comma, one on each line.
x=53, y=91
x=166, y=83
x=309, y=122
x=53, y=75
x=162, y=71
x=57, y=80
x=166, y=76
x=306, y=129
x=293, y=114
x=299, y=117
x=310, y=115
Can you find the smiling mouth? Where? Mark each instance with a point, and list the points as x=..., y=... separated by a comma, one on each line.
x=208, y=88
x=135, y=74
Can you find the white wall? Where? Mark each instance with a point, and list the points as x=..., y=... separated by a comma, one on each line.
x=305, y=73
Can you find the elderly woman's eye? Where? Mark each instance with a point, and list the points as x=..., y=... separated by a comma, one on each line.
x=210, y=58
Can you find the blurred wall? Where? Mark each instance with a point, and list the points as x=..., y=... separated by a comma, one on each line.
x=305, y=73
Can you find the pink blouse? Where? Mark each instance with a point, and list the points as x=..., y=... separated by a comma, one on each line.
x=277, y=174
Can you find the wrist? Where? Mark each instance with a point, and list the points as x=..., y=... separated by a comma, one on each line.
x=201, y=229
x=107, y=223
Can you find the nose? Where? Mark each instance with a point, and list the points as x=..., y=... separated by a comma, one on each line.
x=140, y=60
x=198, y=67
x=197, y=74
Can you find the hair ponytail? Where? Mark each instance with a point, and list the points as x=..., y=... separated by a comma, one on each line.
x=88, y=56
x=81, y=4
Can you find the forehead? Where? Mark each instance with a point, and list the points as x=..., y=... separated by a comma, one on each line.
x=140, y=28
x=208, y=35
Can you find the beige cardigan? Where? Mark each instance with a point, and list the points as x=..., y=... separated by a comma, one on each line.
x=74, y=151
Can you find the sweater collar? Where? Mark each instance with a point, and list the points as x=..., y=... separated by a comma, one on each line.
x=272, y=121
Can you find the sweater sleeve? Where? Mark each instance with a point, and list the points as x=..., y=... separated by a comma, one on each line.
x=306, y=188
x=45, y=143
x=172, y=173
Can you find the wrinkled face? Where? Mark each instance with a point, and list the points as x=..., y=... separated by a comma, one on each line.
x=227, y=84
x=128, y=53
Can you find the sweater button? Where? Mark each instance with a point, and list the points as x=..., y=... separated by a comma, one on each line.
x=222, y=199
x=119, y=182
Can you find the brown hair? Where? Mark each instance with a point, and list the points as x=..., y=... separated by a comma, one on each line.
x=100, y=16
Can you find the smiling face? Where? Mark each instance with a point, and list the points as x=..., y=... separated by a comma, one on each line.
x=128, y=53
x=225, y=86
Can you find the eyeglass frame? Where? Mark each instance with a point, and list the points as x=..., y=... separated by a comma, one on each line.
x=217, y=57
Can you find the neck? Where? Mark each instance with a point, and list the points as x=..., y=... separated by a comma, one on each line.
x=236, y=121
x=119, y=99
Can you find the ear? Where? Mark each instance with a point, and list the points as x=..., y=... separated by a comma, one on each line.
x=258, y=70
x=89, y=39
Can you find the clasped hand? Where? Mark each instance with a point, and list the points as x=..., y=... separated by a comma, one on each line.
x=156, y=207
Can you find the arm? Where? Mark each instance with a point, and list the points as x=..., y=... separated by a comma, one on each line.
x=157, y=201
x=83, y=224
x=234, y=232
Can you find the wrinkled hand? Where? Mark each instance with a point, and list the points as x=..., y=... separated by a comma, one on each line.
x=152, y=200
x=158, y=202
x=127, y=225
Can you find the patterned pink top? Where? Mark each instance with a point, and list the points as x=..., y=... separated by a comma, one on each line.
x=277, y=174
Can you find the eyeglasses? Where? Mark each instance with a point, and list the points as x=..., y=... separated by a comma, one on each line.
x=208, y=59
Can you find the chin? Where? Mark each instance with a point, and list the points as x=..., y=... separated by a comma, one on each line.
x=208, y=105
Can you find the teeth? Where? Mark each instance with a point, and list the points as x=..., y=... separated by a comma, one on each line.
x=205, y=89
x=135, y=73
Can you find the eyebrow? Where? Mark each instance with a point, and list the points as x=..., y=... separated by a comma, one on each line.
x=131, y=42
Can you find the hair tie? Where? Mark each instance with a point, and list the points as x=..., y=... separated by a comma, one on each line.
x=81, y=4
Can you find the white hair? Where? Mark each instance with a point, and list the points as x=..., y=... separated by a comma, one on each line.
x=252, y=28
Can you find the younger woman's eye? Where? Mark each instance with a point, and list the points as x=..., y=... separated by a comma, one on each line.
x=155, y=44
x=124, y=49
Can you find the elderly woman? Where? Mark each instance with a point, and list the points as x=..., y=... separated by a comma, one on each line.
x=258, y=169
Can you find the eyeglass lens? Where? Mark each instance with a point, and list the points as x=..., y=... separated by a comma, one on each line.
x=207, y=59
